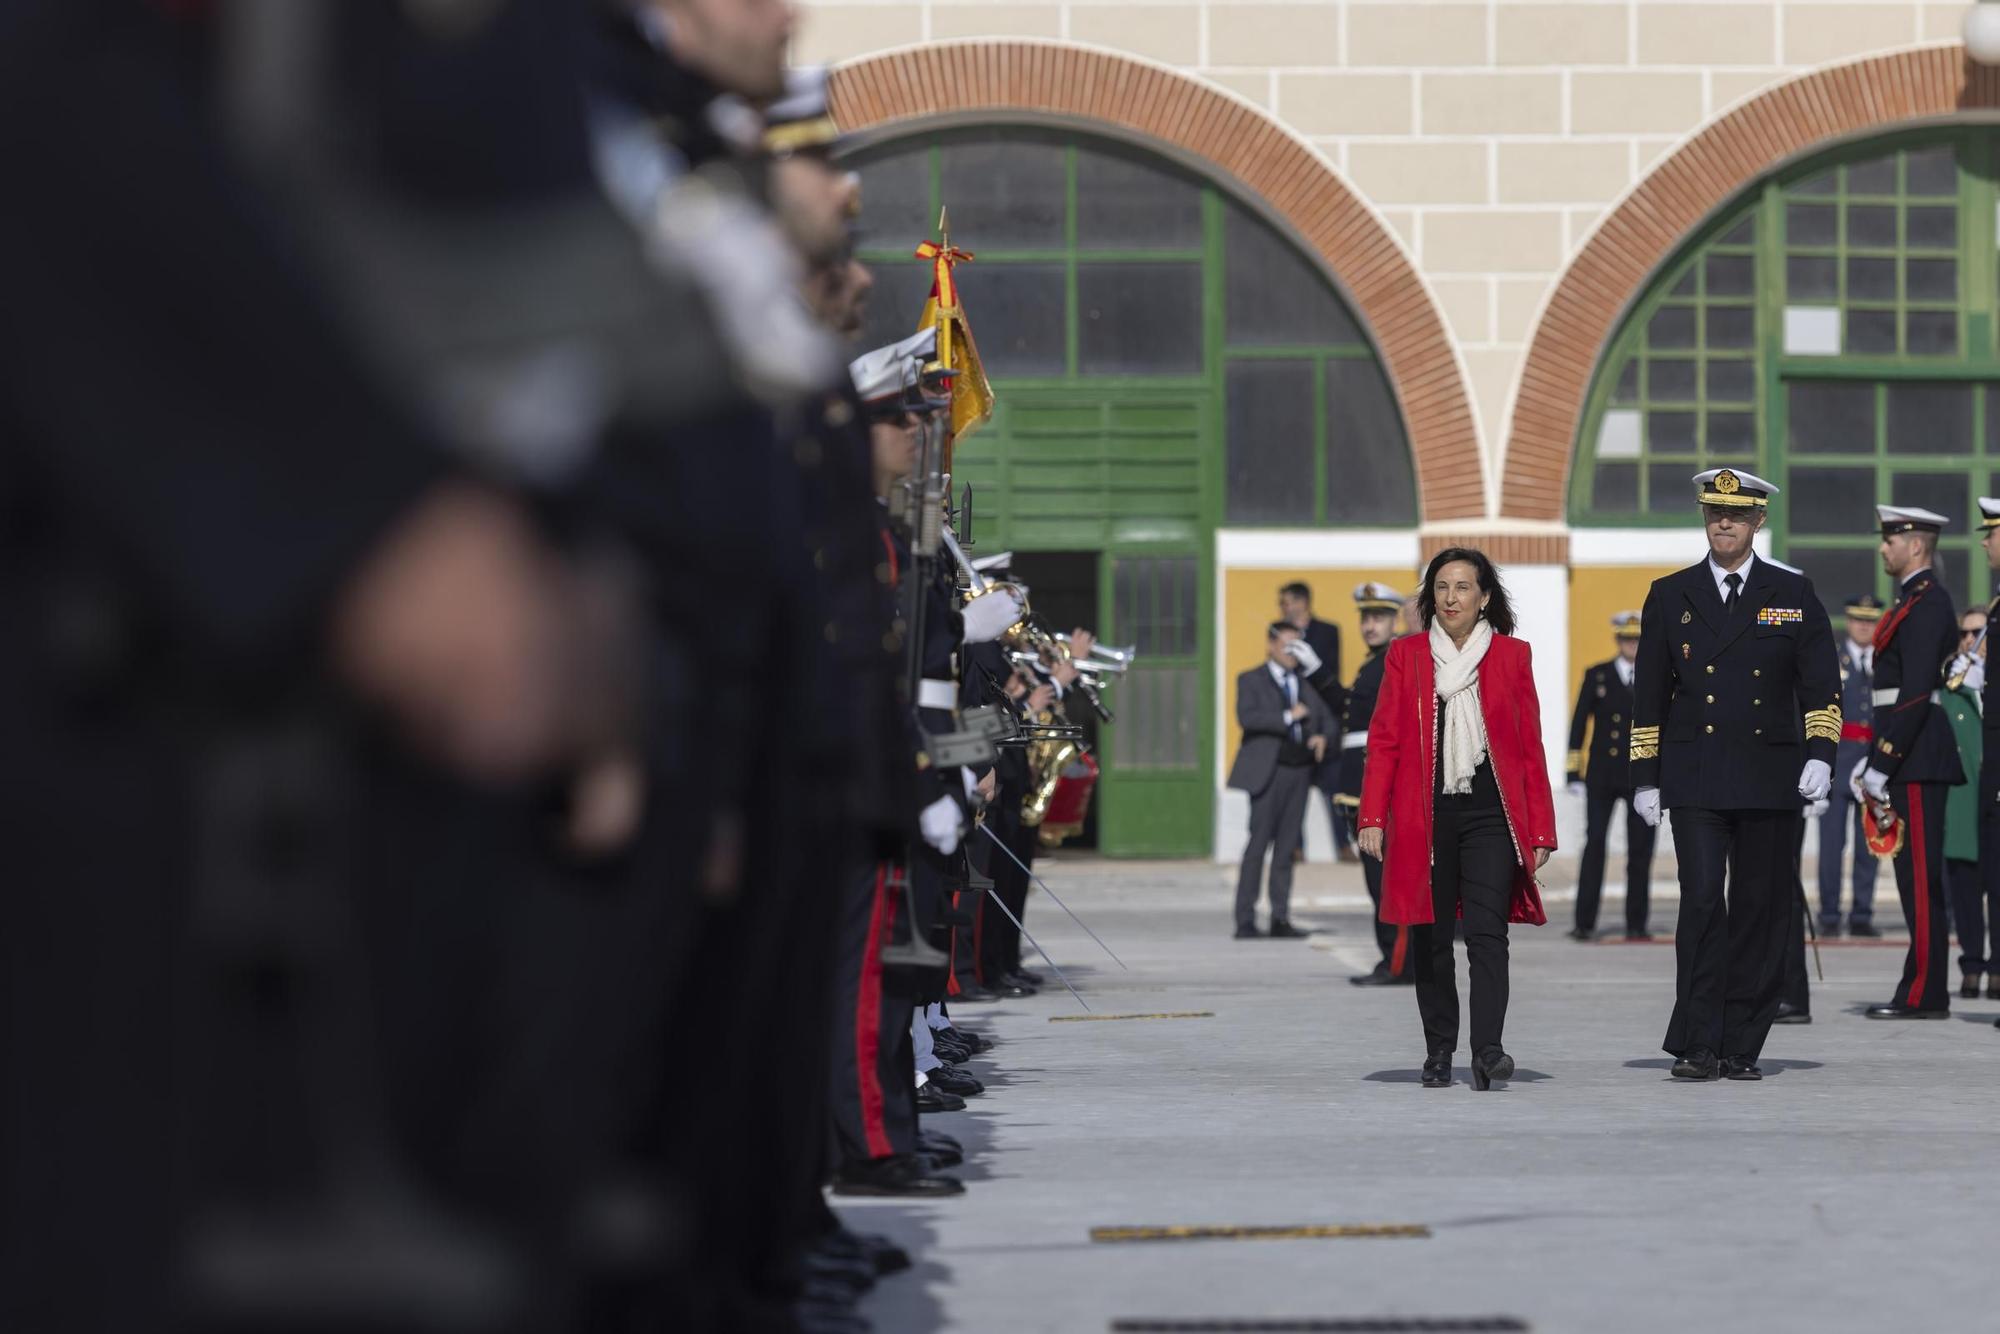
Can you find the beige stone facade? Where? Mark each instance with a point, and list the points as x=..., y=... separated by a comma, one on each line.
x=1491, y=137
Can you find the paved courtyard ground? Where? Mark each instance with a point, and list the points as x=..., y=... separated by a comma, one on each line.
x=1856, y=1188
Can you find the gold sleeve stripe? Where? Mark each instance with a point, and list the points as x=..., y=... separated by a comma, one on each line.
x=1576, y=759
x=1644, y=750
x=1645, y=735
x=1823, y=724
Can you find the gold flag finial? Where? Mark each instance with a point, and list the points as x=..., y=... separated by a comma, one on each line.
x=944, y=227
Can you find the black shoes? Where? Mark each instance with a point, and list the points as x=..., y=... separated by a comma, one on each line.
x=931, y=1098
x=1993, y=986
x=1284, y=930
x=1894, y=1010
x=1968, y=984
x=1248, y=931
x=1829, y=930
x=948, y=1050
x=1028, y=975
x=1012, y=990
x=1381, y=977
x=1490, y=1065
x=1580, y=933
x=1019, y=979
x=950, y=1079
x=1638, y=935
x=1437, y=1070
x=967, y=1039
x=975, y=995
x=1742, y=1067
x=1698, y=1063
x=936, y=1144
x=900, y=1174
x=1789, y=1013
x=1862, y=931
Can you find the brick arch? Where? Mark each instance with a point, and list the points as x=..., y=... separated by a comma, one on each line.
x=1618, y=262
x=1239, y=141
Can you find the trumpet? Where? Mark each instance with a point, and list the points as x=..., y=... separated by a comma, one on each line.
x=1122, y=657
x=1088, y=666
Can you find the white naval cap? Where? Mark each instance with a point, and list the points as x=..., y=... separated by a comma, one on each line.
x=1625, y=625
x=1733, y=487
x=1377, y=597
x=883, y=376
x=1908, y=519
x=1989, y=513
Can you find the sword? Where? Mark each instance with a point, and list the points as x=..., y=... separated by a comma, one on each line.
x=998, y=843
x=1038, y=946
x=1812, y=932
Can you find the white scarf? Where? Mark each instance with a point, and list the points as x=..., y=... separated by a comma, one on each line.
x=1458, y=695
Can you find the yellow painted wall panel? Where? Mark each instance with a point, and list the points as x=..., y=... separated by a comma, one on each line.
x=1595, y=596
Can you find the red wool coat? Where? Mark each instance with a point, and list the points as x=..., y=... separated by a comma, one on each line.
x=1398, y=784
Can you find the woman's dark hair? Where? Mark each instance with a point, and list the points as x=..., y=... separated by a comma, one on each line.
x=1499, y=611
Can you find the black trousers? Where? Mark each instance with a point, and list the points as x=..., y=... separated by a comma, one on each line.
x=1392, y=940
x=874, y=1114
x=1920, y=885
x=1276, y=816
x=1599, y=802
x=1737, y=869
x=1989, y=883
x=999, y=938
x=1472, y=872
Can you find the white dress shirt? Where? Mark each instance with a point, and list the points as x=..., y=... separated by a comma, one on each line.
x=1721, y=577
x=1624, y=669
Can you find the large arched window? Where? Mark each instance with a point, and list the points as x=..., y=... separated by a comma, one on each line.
x=1834, y=330
x=1102, y=265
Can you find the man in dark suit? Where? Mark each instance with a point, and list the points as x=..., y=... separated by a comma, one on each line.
x=1319, y=660
x=1604, y=706
x=1736, y=712
x=1285, y=729
x=1914, y=757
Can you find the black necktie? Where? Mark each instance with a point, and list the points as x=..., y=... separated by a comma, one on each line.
x=1735, y=582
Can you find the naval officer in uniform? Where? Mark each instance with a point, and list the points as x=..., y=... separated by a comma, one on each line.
x=1736, y=713
x=1379, y=606
x=1914, y=757
x=1600, y=775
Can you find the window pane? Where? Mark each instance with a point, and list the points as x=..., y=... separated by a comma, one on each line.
x=1138, y=319
x=1688, y=284
x=1273, y=295
x=1615, y=488
x=1731, y=381
x=1743, y=233
x=1955, y=569
x=1930, y=419
x=1871, y=279
x=1730, y=275
x=1831, y=500
x=1731, y=327
x=1993, y=431
x=1934, y=227
x=897, y=188
x=1829, y=418
x=1670, y=432
x=1005, y=190
x=1875, y=177
x=1269, y=418
x=1932, y=333
x=1671, y=381
x=1838, y=574
x=898, y=298
x=1125, y=203
x=1810, y=224
x=1931, y=279
x=1871, y=225
x=1626, y=392
x=1671, y=327
x=1871, y=331
x=1931, y=171
x=1948, y=493
x=1668, y=488
x=1825, y=183
x=1369, y=476
x=1812, y=277
x=1017, y=316
x=1731, y=434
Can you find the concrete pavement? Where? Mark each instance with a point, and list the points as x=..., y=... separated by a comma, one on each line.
x=1856, y=1188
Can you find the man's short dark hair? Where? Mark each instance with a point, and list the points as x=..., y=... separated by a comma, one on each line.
x=1280, y=628
x=1303, y=592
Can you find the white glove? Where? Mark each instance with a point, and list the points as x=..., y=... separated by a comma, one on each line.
x=1815, y=780
x=1854, y=779
x=1646, y=802
x=1817, y=808
x=1876, y=784
x=1578, y=790
x=940, y=825
x=1302, y=653
x=988, y=615
x=1975, y=676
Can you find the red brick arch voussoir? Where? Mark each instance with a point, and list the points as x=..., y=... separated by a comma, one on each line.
x=1871, y=95
x=1271, y=165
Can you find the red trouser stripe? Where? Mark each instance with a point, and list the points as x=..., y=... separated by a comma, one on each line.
x=868, y=1022
x=951, y=987
x=1400, y=955
x=1920, y=890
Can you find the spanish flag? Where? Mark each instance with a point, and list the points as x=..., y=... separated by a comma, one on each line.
x=971, y=394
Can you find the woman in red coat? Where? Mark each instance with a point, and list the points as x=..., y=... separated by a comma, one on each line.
x=1456, y=797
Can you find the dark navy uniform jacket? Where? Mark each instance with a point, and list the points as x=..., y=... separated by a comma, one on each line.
x=1728, y=706
x=1359, y=713
x=1604, y=705
x=1913, y=741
